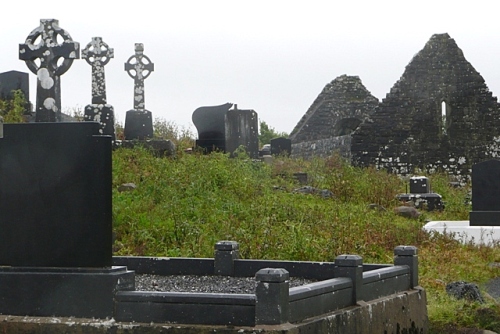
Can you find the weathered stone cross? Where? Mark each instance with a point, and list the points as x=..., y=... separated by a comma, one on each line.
x=139, y=67
x=48, y=52
x=97, y=54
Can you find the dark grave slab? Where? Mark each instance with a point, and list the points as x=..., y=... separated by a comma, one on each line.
x=281, y=146
x=66, y=292
x=210, y=124
x=421, y=196
x=55, y=195
x=56, y=239
x=14, y=80
x=485, y=194
x=242, y=130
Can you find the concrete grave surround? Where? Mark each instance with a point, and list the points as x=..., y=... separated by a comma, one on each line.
x=440, y=115
x=483, y=226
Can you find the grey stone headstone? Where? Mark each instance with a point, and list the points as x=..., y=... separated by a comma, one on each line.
x=242, y=130
x=485, y=193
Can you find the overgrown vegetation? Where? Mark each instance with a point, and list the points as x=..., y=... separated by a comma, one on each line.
x=266, y=133
x=12, y=110
x=183, y=206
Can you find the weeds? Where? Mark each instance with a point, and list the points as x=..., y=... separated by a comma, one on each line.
x=182, y=206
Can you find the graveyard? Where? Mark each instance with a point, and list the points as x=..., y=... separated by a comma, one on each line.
x=86, y=211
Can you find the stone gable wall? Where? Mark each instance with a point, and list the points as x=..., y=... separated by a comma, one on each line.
x=406, y=131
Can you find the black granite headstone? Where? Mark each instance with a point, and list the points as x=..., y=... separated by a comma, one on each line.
x=281, y=146
x=209, y=122
x=14, y=80
x=242, y=130
x=485, y=194
x=55, y=195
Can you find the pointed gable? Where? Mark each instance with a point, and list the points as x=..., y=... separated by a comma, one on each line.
x=339, y=109
x=439, y=115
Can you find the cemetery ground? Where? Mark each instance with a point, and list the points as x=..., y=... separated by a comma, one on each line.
x=182, y=206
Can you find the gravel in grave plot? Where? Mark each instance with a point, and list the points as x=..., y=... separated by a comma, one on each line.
x=205, y=284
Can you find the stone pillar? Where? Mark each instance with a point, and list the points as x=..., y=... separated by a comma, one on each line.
x=351, y=266
x=272, y=307
x=225, y=253
x=407, y=256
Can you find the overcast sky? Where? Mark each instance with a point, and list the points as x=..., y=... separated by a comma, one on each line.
x=271, y=56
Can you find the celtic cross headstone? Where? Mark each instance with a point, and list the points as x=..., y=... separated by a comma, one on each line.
x=46, y=57
x=98, y=54
x=138, y=121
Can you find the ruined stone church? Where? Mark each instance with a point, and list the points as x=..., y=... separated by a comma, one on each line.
x=440, y=115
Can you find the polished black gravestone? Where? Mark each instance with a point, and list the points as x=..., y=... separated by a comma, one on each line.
x=55, y=221
x=242, y=129
x=49, y=59
x=55, y=195
x=14, y=80
x=485, y=194
x=138, y=121
x=210, y=124
x=98, y=54
x=281, y=146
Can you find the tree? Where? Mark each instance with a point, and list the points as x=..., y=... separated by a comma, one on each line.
x=12, y=110
x=266, y=133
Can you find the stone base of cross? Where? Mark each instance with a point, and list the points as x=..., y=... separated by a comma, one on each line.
x=138, y=125
x=103, y=114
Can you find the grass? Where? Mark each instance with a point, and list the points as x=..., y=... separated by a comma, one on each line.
x=183, y=205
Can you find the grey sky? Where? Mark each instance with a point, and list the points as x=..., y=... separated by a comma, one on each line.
x=271, y=56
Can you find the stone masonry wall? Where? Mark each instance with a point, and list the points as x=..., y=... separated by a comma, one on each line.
x=440, y=115
x=323, y=147
x=339, y=109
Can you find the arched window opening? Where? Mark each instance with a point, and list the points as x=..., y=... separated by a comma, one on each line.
x=444, y=116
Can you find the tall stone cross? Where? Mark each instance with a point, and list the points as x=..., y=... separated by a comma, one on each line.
x=43, y=53
x=98, y=54
x=139, y=67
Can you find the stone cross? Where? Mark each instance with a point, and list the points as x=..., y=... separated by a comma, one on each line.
x=97, y=54
x=139, y=67
x=43, y=53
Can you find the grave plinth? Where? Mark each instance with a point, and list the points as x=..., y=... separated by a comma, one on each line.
x=485, y=194
x=421, y=196
x=56, y=229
